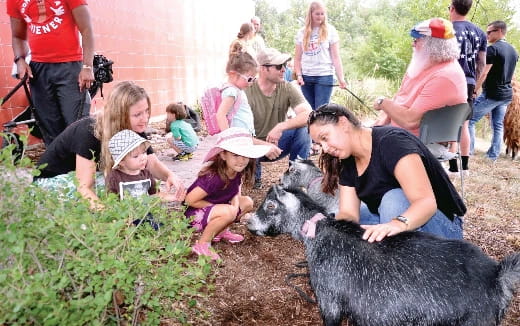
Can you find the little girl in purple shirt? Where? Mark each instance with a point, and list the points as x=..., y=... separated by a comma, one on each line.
x=214, y=199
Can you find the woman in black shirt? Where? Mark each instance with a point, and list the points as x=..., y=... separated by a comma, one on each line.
x=388, y=180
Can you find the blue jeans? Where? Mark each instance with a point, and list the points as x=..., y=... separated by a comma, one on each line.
x=394, y=203
x=294, y=142
x=317, y=90
x=481, y=107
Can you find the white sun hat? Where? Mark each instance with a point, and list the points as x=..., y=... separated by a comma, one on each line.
x=238, y=141
x=123, y=143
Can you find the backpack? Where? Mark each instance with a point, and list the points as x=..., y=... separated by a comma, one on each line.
x=210, y=102
x=192, y=117
x=102, y=73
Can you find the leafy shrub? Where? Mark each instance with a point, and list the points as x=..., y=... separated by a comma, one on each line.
x=64, y=264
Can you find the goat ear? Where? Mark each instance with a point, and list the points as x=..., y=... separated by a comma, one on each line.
x=277, y=189
x=299, y=158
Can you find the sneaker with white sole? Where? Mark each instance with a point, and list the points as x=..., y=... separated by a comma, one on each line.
x=204, y=249
x=452, y=174
x=228, y=236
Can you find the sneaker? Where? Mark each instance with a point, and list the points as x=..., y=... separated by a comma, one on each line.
x=441, y=152
x=228, y=236
x=205, y=249
x=258, y=184
x=451, y=174
x=456, y=174
x=183, y=156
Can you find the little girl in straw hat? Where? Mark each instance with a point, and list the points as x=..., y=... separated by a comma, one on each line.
x=214, y=199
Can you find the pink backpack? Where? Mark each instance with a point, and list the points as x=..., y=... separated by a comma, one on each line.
x=210, y=102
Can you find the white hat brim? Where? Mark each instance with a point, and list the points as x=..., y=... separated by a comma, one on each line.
x=250, y=151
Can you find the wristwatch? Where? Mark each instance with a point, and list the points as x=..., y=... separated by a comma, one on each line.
x=403, y=219
x=379, y=101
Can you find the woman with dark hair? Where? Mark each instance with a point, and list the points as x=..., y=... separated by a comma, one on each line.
x=388, y=180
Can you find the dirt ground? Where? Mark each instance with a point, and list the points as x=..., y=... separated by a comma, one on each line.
x=250, y=287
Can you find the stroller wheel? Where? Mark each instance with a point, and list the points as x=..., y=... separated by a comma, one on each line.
x=10, y=138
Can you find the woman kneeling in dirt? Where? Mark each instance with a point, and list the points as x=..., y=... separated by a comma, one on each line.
x=389, y=182
x=76, y=152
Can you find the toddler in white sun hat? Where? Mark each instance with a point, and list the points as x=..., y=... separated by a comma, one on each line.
x=129, y=175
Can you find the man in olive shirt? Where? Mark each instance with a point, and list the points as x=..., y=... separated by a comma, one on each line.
x=270, y=97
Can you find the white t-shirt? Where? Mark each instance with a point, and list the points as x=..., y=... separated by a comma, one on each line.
x=316, y=60
x=244, y=116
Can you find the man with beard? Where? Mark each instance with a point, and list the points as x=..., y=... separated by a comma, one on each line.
x=270, y=98
x=434, y=78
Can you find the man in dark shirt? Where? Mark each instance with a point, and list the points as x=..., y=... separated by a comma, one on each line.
x=497, y=92
x=472, y=43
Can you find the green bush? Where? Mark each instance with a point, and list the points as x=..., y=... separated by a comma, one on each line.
x=64, y=264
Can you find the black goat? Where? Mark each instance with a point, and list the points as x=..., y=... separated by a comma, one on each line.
x=412, y=278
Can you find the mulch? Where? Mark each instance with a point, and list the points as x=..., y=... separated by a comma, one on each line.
x=250, y=287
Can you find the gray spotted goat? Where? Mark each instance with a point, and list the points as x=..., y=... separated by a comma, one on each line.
x=305, y=175
x=412, y=278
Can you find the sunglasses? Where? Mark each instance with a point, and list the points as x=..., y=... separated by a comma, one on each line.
x=278, y=67
x=249, y=79
x=489, y=32
x=323, y=110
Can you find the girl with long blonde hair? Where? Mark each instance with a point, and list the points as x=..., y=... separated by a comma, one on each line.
x=84, y=144
x=317, y=57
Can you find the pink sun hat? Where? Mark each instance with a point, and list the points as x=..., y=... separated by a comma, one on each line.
x=238, y=141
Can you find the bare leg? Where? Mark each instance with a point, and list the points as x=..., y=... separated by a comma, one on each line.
x=220, y=218
x=246, y=206
x=464, y=139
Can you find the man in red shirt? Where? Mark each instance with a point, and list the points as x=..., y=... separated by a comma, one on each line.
x=60, y=69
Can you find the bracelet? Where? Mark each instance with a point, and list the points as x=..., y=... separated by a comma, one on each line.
x=402, y=219
x=18, y=57
x=86, y=67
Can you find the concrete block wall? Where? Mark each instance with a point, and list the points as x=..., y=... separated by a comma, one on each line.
x=173, y=48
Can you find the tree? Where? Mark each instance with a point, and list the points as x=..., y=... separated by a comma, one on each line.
x=375, y=41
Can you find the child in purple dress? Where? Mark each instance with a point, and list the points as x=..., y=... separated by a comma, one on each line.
x=214, y=199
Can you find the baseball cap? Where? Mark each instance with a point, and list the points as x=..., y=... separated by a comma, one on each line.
x=434, y=27
x=270, y=56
